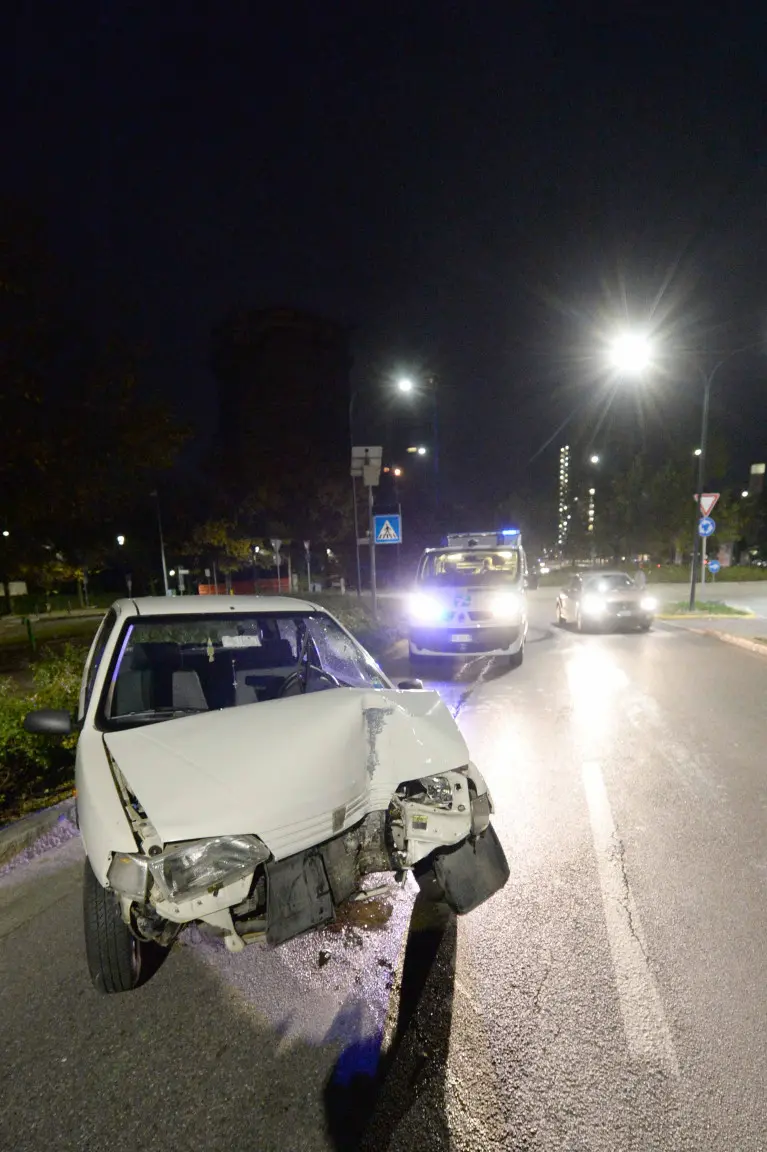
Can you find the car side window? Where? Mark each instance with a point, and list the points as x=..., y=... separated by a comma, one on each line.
x=91, y=670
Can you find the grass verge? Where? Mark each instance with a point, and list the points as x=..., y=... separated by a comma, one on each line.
x=680, y=610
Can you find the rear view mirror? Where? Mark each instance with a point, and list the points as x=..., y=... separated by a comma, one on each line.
x=406, y=685
x=48, y=722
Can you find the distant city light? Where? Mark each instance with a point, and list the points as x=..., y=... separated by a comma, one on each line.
x=594, y=459
x=172, y=572
x=592, y=491
x=696, y=452
x=744, y=495
x=121, y=540
x=6, y=532
x=397, y=471
x=422, y=451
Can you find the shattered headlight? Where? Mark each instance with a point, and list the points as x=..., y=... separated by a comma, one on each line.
x=439, y=792
x=183, y=871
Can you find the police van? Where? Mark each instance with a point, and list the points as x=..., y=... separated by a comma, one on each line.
x=469, y=598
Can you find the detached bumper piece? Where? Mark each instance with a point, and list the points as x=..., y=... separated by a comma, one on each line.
x=465, y=876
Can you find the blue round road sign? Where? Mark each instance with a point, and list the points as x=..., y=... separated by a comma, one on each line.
x=714, y=566
x=706, y=526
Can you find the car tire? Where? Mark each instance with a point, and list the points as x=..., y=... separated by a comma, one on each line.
x=517, y=659
x=645, y=626
x=117, y=960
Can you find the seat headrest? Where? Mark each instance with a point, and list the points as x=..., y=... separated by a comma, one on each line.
x=153, y=656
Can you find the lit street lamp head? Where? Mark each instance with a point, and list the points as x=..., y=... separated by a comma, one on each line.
x=630, y=353
x=121, y=540
x=6, y=532
x=422, y=451
x=697, y=452
x=594, y=459
x=405, y=385
x=744, y=495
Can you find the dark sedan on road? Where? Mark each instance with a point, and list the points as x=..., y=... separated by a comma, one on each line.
x=605, y=600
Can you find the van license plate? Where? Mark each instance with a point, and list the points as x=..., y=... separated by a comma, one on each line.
x=461, y=638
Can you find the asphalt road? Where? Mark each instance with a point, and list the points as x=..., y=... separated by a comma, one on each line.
x=610, y=997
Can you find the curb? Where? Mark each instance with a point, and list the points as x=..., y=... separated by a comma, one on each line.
x=738, y=641
x=22, y=834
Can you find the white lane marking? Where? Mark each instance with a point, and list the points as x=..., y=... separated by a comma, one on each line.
x=644, y=1021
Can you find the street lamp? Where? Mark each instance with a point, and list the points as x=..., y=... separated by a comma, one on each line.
x=594, y=459
x=6, y=532
x=121, y=540
x=631, y=353
x=696, y=452
x=156, y=495
x=405, y=385
x=744, y=495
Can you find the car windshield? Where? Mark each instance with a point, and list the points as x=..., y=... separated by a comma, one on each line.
x=178, y=665
x=478, y=567
x=611, y=582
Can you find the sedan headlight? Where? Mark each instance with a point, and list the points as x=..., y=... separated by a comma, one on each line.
x=648, y=604
x=425, y=608
x=186, y=870
x=593, y=605
x=507, y=606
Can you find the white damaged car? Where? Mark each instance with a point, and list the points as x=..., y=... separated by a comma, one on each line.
x=244, y=763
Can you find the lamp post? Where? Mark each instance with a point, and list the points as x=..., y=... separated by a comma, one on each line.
x=162, y=543
x=406, y=385
x=631, y=354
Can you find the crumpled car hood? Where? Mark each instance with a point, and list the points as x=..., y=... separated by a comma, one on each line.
x=294, y=771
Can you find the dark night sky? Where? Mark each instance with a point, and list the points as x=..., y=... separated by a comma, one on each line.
x=477, y=188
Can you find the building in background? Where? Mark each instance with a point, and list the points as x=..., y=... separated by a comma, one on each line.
x=563, y=517
x=283, y=381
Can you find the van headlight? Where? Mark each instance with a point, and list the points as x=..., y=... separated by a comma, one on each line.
x=424, y=608
x=186, y=870
x=507, y=606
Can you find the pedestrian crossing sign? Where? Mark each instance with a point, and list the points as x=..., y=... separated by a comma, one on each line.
x=387, y=529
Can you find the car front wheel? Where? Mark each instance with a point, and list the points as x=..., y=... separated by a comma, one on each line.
x=117, y=960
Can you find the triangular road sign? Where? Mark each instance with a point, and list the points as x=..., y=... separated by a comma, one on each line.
x=387, y=532
x=707, y=502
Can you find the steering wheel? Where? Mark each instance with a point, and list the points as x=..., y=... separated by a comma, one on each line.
x=290, y=682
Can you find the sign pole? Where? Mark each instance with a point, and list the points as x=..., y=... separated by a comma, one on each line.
x=373, y=589
x=357, y=535
x=307, y=546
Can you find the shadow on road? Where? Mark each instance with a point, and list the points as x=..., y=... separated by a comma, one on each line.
x=365, y=1112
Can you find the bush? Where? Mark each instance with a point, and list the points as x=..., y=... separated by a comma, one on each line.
x=31, y=767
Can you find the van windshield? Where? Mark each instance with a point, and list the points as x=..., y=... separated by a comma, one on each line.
x=480, y=567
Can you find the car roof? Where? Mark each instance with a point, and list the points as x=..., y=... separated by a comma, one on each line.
x=463, y=550
x=211, y=605
x=591, y=573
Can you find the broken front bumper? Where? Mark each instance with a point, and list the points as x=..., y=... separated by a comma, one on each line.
x=457, y=849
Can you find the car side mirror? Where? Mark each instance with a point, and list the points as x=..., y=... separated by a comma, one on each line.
x=49, y=722
x=407, y=685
